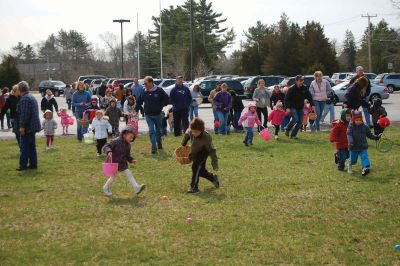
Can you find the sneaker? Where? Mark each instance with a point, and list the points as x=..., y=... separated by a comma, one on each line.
x=245, y=143
x=159, y=146
x=287, y=133
x=107, y=191
x=47, y=148
x=276, y=137
x=193, y=191
x=153, y=151
x=365, y=171
x=216, y=181
x=250, y=143
x=349, y=169
x=141, y=188
x=340, y=169
x=98, y=154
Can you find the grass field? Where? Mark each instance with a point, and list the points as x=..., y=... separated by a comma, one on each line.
x=279, y=203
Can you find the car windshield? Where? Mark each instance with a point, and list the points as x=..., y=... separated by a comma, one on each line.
x=59, y=83
x=157, y=82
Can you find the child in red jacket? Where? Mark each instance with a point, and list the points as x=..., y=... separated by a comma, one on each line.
x=338, y=135
x=276, y=117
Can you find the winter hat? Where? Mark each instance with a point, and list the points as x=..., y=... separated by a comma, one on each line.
x=47, y=111
x=129, y=129
x=343, y=114
x=356, y=115
x=377, y=102
x=113, y=100
x=251, y=104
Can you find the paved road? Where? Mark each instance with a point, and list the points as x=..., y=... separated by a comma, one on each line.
x=392, y=106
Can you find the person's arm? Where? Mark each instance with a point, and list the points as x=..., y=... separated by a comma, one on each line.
x=255, y=95
x=109, y=127
x=258, y=122
x=125, y=108
x=189, y=97
x=334, y=132
x=309, y=98
x=43, y=104
x=165, y=98
x=108, y=147
x=349, y=132
x=75, y=102
x=139, y=101
x=241, y=119
x=55, y=105
x=370, y=135
x=185, y=139
x=23, y=114
x=288, y=98
x=229, y=103
x=213, y=154
x=54, y=124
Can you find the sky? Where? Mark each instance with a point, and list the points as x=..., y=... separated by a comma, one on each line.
x=32, y=21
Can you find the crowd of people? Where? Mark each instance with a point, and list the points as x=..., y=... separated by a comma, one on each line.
x=100, y=112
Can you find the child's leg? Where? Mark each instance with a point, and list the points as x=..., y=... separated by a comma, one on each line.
x=108, y=183
x=341, y=158
x=47, y=140
x=66, y=129
x=365, y=163
x=276, y=130
x=51, y=140
x=251, y=135
x=131, y=180
x=353, y=157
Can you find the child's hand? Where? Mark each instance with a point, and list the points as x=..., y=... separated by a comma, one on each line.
x=109, y=154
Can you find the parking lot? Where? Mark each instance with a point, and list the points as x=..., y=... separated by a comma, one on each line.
x=392, y=106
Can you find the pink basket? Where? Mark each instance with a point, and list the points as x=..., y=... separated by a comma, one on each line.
x=70, y=121
x=110, y=169
x=265, y=134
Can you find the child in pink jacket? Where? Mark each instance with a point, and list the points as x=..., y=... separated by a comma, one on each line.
x=250, y=118
x=276, y=117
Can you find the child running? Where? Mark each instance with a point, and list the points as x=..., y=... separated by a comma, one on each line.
x=357, y=134
x=338, y=136
x=65, y=120
x=251, y=118
x=49, y=126
x=101, y=128
x=376, y=111
x=202, y=147
x=114, y=115
x=119, y=150
x=276, y=117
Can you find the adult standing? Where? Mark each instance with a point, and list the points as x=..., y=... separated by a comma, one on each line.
x=263, y=99
x=28, y=124
x=223, y=104
x=105, y=101
x=101, y=91
x=329, y=108
x=154, y=99
x=181, y=99
x=11, y=107
x=197, y=98
x=48, y=102
x=294, y=103
x=319, y=90
x=356, y=93
x=80, y=100
x=211, y=100
x=68, y=95
x=3, y=99
x=137, y=89
x=364, y=100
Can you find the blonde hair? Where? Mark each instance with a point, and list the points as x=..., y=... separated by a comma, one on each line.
x=318, y=74
x=14, y=89
x=99, y=112
x=259, y=81
x=224, y=85
x=278, y=104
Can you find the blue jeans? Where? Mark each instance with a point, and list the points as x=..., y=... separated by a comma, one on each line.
x=341, y=156
x=80, y=130
x=297, y=121
x=285, y=122
x=193, y=112
x=365, y=163
x=319, y=108
x=367, y=116
x=215, y=119
x=28, y=151
x=223, y=121
x=235, y=120
x=155, y=130
x=329, y=108
x=249, y=135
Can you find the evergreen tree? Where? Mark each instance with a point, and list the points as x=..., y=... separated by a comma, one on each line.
x=9, y=73
x=349, y=51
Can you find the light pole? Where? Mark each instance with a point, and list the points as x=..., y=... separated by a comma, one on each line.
x=138, y=44
x=191, y=40
x=121, y=21
x=161, y=62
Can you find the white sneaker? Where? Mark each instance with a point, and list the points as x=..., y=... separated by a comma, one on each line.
x=349, y=169
x=107, y=191
x=141, y=188
x=276, y=137
x=98, y=155
x=47, y=148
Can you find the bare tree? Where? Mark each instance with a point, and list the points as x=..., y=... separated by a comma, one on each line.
x=201, y=69
x=111, y=42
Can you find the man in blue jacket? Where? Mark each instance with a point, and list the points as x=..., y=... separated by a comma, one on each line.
x=180, y=98
x=154, y=99
x=28, y=123
x=137, y=89
x=80, y=100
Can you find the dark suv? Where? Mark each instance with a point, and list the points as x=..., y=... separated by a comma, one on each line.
x=206, y=86
x=251, y=83
x=56, y=86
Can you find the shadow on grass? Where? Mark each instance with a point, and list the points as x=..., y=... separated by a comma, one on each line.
x=211, y=195
x=161, y=155
x=135, y=201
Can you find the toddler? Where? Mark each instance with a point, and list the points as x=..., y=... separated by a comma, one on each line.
x=250, y=118
x=276, y=117
x=49, y=126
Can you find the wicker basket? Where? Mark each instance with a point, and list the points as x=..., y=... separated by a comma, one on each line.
x=83, y=122
x=182, y=155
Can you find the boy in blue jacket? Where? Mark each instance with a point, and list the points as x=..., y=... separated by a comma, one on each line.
x=357, y=134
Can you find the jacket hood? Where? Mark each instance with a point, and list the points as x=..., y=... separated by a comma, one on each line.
x=343, y=114
x=377, y=102
x=128, y=129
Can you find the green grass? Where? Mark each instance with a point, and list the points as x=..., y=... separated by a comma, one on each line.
x=279, y=203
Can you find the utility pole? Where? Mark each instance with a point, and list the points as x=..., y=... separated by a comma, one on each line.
x=161, y=62
x=138, y=44
x=121, y=21
x=368, y=16
x=191, y=40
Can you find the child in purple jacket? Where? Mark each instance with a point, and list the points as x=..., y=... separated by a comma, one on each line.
x=119, y=150
x=251, y=118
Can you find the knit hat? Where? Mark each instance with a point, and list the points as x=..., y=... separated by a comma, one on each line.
x=343, y=114
x=47, y=111
x=251, y=104
x=356, y=115
x=129, y=129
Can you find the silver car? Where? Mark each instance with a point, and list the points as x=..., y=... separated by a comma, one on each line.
x=377, y=91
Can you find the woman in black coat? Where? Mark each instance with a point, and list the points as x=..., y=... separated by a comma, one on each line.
x=355, y=94
x=48, y=102
x=11, y=107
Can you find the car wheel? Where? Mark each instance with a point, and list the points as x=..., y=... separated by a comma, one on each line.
x=56, y=93
x=390, y=88
x=373, y=97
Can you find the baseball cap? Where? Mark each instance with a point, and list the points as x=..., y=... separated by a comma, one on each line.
x=299, y=77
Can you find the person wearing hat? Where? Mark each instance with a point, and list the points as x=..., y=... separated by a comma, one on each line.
x=114, y=113
x=357, y=134
x=251, y=118
x=364, y=99
x=338, y=135
x=294, y=103
x=181, y=99
x=119, y=151
x=49, y=126
x=80, y=100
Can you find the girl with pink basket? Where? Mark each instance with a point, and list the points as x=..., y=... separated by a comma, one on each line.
x=66, y=120
x=250, y=118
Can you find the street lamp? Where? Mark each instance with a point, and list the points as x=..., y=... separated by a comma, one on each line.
x=121, y=21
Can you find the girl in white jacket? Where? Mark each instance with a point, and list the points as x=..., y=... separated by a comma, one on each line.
x=101, y=128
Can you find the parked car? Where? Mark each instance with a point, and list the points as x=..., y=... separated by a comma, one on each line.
x=96, y=83
x=287, y=82
x=87, y=81
x=251, y=83
x=207, y=85
x=221, y=76
x=370, y=76
x=390, y=80
x=166, y=82
x=110, y=81
x=81, y=78
x=377, y=91
x=123, y=81
x=57, y=87
x=340, y=77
